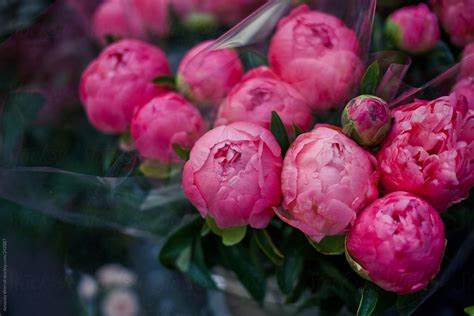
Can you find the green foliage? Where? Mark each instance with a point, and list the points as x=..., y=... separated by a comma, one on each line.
x=368, y=302
x=230, y=236
x=370, y=79
x=265, y=242
x=279, y=131
x=181, y=152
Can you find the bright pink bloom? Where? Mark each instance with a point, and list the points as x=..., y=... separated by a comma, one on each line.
x=467, y=62
x=326, y=180
x=366, y=119
x=166, y=120
x=111, y=19
x=207, y=76
x=120, y=79
x=430, y=151
x=465, y=87
x=318, y=54
x=457, y=19
x=398, y=242
x=414, y=28
x=258, y=94
x=233, y=175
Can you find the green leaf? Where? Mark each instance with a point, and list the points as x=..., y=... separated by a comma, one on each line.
x=230, y=236
x=252, y=277
x=469, y=310
x=369, y=299
x=370, y=79
x=184, y=259
x=252, y=59
x=156, y=169
x=279, y=131
x=296, y=130
x=179, y=242
x=265, y=242
x=198, y=270
x=329, y=245
x=290, y=272
x=181, y=152
x=407, y=303
x=165, y=81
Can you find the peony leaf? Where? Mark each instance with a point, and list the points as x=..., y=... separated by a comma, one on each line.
x=252, y=59
x=198, y=270
x=184, y=259
x=265, y=242
x=329, y=245
x=469, y=310
x=279, y=131
x=173, y=254
x=230, y=236
x=165, y=81
x=290, y=272
x=156, y=169
x=181, y=152
x=370, y=79
x=296, y=130
x=369, y=299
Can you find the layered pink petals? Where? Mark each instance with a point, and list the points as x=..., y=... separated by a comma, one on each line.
x=326, y=180
x=318, y=54
x=258, y=94
x=206, y=76
x=166, y=120
x=119, y=80
x=430, y=151
x=399, y=242
x=233, y=175
x=414, y=28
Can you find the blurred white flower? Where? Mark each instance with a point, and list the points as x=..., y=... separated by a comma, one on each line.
x=87, y=288
x=121, y=302
x=111, y=275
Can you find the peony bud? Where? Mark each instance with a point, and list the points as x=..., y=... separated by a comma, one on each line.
x=119, y=80
x=166, y=120
x=207, y=76
x=258, y=94
x=366, y=119
x=457, y=19
x=429, y=151
x=153, y=15
x=413, y=29
x=397, y=242
x=318, y=55
x=326, y=180
x=233, y=175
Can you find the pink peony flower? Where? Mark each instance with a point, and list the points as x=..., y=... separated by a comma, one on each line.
x=111, y=19
x=366, y=119
x=326, y=180
x=465, y=87
x=166, y=120
x=153, y=15
x=318, y=54
x=467, y=62
x=397, y=242
x=207, y=76
x=233, y=175
x=120, y=79
x=258, y=94
x=414, y=28
x=457, y=19
x=430, y=151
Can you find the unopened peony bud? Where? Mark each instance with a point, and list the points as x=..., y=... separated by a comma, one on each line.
x=413, y=29
x=397, y=242
x=366, y=119
x=164, y=121
x=233, y=175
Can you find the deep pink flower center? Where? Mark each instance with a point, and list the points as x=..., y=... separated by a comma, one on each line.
x=376, y=111
x=317, y=34
x=259, y=96
x=227, y=157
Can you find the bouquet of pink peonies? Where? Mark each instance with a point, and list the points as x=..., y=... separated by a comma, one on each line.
x=283, y=151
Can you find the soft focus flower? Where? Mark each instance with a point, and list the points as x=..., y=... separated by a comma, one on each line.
x=465, y=87
x=207, y=76
x=467, y=61
x=166, y=120
x=228, y=12
x=233, y=175
x=111, y=275
x=326, y=179
x=457, y=19
x=258, y=94
x=430, y=151
x=87, y=288
x=397, y=242
x=366, y=119
x=318, y=54
x=120, y=79
x=111, y=19
x=153, y=15
x=414, y=28
x=120, y=302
